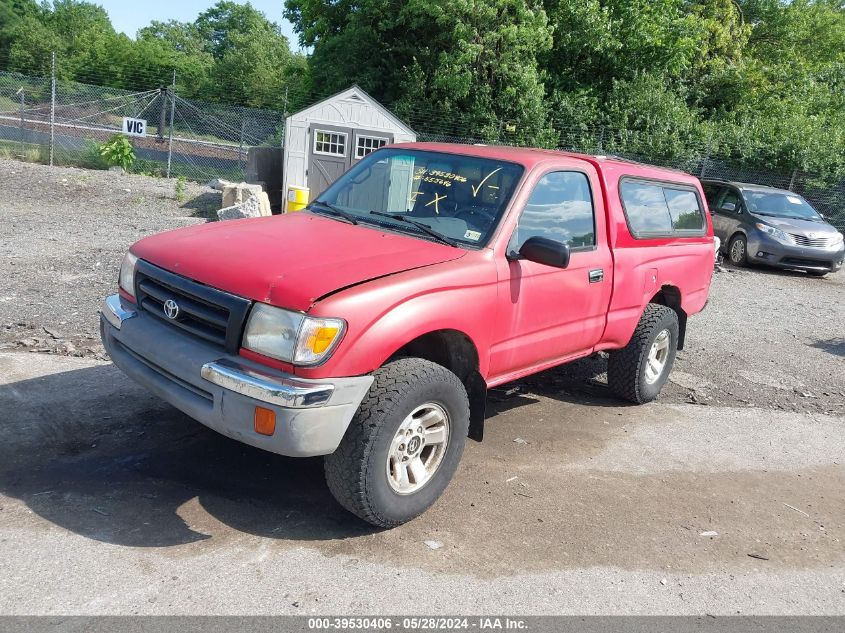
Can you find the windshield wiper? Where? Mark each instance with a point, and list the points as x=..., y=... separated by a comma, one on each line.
x=335, y=211
x=423, y=227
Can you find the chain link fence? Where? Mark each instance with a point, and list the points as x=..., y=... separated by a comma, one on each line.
x=65, y=123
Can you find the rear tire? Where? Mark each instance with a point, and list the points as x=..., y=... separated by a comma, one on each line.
x=817, y=273
x=738, y=251
x=638, y=371
x=403, y=445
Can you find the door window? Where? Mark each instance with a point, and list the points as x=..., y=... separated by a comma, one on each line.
x=329, y=143
x=560, y=208
x=728, y=199
x=368, y=144
x=711, y=192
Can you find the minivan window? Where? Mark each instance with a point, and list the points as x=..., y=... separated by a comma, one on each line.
x=458, y=196
x=655, y=209
x=711, y=193
x=780, y=205
x=730, y=197
x=560, y=208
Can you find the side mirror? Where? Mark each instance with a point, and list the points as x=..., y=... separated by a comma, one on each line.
x=730, y=207
x=545, y=251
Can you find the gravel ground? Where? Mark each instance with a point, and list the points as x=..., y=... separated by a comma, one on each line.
x=723, y=497
x=64, y=233
x=768, y=339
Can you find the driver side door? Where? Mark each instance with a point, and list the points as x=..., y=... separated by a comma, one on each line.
x=547, y=315
x=727, y=215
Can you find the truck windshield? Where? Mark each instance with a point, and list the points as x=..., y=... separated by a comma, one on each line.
x=459, y=197
x=780, y=205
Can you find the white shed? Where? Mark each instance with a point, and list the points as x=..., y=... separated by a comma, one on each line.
x=327, y=138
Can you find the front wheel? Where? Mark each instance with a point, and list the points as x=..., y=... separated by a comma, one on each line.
x=638, y=371
x=738, y=251
x=403, y=445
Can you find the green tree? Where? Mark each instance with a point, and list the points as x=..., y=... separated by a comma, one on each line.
x=465, y=67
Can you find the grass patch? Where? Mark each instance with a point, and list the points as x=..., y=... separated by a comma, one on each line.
x=15, y=150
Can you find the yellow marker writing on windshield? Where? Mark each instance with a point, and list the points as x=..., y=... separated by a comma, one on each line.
x=475, y=190
x=437, y=199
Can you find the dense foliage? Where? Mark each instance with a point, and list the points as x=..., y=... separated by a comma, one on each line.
x=760, y=80
x=231, y=53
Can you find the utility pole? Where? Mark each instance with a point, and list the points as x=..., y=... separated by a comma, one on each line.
x=172, y=114
x=52, y=106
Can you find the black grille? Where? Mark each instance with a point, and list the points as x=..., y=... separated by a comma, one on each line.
x=207, y=313
x=800, y=261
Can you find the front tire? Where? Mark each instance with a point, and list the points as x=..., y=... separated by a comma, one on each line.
x=738, y=251
x=403, y=445
x=638, y=371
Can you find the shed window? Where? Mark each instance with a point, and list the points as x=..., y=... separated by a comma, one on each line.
x=331, y=143
x=368, y=144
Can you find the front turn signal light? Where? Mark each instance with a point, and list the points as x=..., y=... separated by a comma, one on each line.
x=265, y=421
x=317, y=338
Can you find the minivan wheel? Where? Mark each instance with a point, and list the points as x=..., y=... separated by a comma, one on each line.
x=403, y=445
x=738, y=251
x=638, y=371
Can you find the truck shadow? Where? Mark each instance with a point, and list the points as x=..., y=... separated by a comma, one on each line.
x=97, y=455
x=835, y=346
x=94, y=454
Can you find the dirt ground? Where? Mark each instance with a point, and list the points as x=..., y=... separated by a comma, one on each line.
x=725, y=496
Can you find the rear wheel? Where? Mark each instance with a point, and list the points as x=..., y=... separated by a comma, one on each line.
x=817, y=273
x=738, y=251
x=638, y=371
x=403, y=445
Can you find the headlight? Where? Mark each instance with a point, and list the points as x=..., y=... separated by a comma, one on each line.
x=126, y=279
x=838, y=239
x=779, y=235
x=291, y=337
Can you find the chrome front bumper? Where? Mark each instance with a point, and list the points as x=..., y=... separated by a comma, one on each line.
x=222, y=390
x=284, y=392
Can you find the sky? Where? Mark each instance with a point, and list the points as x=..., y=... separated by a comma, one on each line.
x=128, y=17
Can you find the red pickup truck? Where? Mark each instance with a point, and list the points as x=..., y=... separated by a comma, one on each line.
x=369, y=327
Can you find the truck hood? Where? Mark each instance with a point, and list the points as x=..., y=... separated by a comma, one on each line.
x=289, y=261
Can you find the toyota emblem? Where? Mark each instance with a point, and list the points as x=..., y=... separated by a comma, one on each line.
x=171, y=309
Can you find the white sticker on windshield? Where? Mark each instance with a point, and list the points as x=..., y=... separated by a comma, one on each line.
x=793, y=199
x=472, y=235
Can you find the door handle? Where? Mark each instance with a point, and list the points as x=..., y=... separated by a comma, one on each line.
x=596, y=275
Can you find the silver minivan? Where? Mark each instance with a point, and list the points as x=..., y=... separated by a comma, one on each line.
x=775, y=227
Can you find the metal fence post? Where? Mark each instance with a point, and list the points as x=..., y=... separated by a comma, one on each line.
x=792, y=179
x=52, y=107
x=172, y=114
x=241, y=146
x=21, y=93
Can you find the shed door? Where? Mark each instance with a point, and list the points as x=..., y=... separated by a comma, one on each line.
x=329, y=155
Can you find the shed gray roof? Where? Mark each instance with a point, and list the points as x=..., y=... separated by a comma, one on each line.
x=356, y=90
